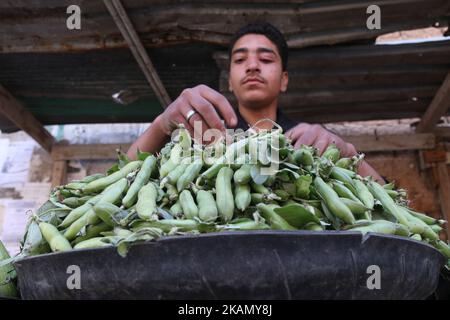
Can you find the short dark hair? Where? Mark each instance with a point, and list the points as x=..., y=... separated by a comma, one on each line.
x=268, y=30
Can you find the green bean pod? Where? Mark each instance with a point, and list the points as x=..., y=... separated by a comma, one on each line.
x=173, y=162
x=174, y=175
x=417, y=237
x=343, y=191
x=425, y=218
x=283, y=194
x=303, y=156
x=333, y=202
x=141, y=179
x=97, y=242
x=302, y=185
x=146, y=204
x=167, y=225
x=176, y=209
x=189, y=175
x=383, y=226
x=242, y=175
x=187, y=202
x=418, y=226
x=436, y=228
x=77, y=213
x=75, y=202
x=259, y=188
x=242, y=196
x=344, y=163
x=332, y=153
x=388, y=203
x=443, y=247
x=207, y=209
x=55, y=239
x=105, y=211
x=102, y=183
x=274, y=220
x=363, y=193
x=338, y=174
x=172, y=192
x=7, y=288
x=224, y=194
x=92, y=231
x=356, y=208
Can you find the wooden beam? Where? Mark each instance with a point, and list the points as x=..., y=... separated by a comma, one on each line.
x=59, y=171
x=125, y=26
x=87, y=151
x=392, y=142
x=24, y=119
x=444, y=192
x=438, y=107
x=362, y=143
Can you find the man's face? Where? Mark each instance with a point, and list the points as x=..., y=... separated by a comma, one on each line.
x=256, y=75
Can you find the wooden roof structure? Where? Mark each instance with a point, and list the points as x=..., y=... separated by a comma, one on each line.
x=337, y=73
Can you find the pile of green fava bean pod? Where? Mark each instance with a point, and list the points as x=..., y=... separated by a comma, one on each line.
x=257, y=182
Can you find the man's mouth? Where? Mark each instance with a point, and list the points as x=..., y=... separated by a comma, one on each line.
x=253, y=80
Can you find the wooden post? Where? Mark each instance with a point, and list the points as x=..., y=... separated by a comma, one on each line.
x=25, y=120
x=438, y=107
x=444, y=192
x=59, y=170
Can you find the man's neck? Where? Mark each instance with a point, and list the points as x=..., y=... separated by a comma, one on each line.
x=251, y=116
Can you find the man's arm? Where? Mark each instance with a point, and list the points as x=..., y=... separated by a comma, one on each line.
x=207, y=103
x=152, y=140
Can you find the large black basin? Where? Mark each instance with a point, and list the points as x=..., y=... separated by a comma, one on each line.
x=242, y=265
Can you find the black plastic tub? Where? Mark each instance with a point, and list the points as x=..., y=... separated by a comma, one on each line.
x=241, y=265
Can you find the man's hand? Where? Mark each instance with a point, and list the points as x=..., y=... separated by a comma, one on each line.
x=206, y=102
x=319, y=137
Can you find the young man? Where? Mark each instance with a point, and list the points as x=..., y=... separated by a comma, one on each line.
x=258, y=73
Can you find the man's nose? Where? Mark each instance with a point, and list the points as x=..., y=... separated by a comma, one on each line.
x=252, y=65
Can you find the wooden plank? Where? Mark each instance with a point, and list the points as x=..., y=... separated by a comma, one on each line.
x=59, y=171
x=140, y=54
x=442, y=132
x=160, y=23
x=23, y=119
x=444, y=192
x=328, y=96
x=354, y=78
x=362, y=143
x=361, y=56
x=87, y=151
x=392, y=142
x=437, y=108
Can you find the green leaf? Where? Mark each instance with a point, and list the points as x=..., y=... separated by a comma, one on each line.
x=113, y=169
x=123, y=159
x=142, y=155
x=292, y=173
x=302, y=186
x=297, y=215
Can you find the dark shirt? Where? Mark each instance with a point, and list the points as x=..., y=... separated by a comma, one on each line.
x=285, y=122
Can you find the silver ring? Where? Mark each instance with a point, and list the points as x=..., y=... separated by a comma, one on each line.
x=190, y=114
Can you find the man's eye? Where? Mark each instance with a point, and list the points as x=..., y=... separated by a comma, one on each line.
x=238, y=60
x=266, y=60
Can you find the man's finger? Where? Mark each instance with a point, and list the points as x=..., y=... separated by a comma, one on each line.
x=220, y=103
x=308, y=138
x=321, y=144
x=207, y=112
x=296, y=132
